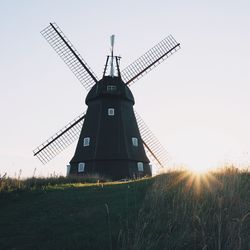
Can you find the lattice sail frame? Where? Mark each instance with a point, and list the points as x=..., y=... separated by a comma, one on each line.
x=150, y=59
x=156, y=152
x=59, y=141
x=65, y=49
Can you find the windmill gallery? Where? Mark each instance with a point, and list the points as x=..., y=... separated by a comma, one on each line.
x=112, y=138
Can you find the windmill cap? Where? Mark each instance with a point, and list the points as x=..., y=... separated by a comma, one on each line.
x=111, y=87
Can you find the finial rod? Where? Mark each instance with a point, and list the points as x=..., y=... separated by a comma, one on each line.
x=112, y=41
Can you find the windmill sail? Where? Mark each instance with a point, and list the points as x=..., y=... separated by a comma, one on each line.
x=59, y=141
x=66, y=136
x=156, y=152
x=150, y=59
x=65, y=49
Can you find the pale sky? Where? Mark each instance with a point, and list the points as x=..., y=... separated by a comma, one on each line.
x=197, y=102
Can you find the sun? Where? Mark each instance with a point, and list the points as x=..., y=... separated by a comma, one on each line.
x=198, y=170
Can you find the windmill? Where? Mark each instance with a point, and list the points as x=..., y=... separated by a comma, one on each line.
x=112, y=138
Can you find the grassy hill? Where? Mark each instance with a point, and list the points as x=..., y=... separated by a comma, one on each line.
x=176, y=210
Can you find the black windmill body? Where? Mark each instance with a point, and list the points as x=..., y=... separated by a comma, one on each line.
x=110, y=143
x=112, y=136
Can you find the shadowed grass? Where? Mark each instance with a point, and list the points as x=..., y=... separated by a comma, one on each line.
x=68, y=216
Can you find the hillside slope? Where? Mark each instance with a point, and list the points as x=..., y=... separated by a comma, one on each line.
x=172, y=211
x=74, y=216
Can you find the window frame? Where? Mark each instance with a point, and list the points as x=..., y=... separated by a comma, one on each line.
x=111, y=113
x=86, y=141
x=81, y=167
x=140, y=166
x=111, y=88
x=135, y=141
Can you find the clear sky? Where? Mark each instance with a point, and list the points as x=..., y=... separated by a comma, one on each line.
x=197, y=102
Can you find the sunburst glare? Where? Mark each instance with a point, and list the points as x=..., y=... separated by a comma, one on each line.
x=197, y=179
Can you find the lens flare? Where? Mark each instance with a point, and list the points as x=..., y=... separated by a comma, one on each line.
x=197, y=179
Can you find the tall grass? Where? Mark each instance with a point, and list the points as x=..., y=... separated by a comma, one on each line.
x=187, y=211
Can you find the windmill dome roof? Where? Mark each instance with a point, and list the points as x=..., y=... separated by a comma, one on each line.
x=111, y=87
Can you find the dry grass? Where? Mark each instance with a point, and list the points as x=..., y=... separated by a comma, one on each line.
x=187, y=211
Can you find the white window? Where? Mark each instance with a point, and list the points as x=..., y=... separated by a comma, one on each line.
x=86, y=142
x=111, y=88
x=135, y=141
x=81, y=167
x=140, y=166
x=111, y=111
